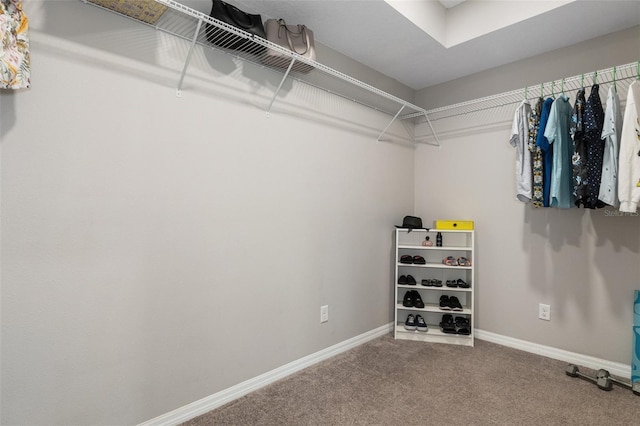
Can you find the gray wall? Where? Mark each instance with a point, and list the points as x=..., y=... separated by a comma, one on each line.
x=156, y=249
x=583, y=263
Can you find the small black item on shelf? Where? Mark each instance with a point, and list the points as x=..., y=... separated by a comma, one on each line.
x=439, y=239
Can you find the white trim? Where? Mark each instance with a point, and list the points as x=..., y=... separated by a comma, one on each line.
x=218, y=399
x=615, y=368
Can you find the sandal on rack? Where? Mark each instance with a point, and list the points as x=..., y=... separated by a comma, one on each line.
x=462, y=326
x=447, y=325
x=463, y=261
x=463, y=284
x=419, y=260
x=406, y=259
x=450, y=261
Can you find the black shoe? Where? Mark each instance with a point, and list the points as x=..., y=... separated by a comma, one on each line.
x=454, y=303
x=444, y=303
x=402, y=279
x=420, y=324
x=408, y=299
x=410, y=323
x=462, y=284
x=447, y=325
x=417, y=300
x=437, y=283
x=419, y=260
x=452, y=283
x=411, y=280
x=462, y=326
x=406, y=259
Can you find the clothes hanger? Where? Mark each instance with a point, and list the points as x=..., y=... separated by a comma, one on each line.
x=542, y=85
x=526, y=93
x=553, y=88
x=582, y=81
x=595, y=78
x=614, y=78
x=562, y=87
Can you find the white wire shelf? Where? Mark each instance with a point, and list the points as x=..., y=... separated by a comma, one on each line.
x=200, y=29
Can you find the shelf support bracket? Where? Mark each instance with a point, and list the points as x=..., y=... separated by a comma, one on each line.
x=284, y=77
x=186, y=62
x=389, y=125
x=433, y=132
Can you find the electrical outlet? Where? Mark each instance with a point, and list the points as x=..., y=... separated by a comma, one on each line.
x=544, y=312
x=324, y=313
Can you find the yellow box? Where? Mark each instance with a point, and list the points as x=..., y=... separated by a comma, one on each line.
x=465, y=225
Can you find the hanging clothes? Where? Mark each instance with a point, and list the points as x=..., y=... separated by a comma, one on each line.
x=15, y=59
x=611, y=134
x=629, y=159
x=559, y=135
x=536, y=155
x=579, y=158
x=593, y=123
x=547, y=151
x=520, y=139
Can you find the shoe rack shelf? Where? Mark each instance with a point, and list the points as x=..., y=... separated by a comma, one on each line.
x=456, y=243
x=191, y=25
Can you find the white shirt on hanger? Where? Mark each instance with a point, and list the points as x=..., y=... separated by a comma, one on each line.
x=629, y=160
x=520, y=139
x=611, y=134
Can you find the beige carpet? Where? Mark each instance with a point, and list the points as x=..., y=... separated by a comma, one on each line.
x=389, y=382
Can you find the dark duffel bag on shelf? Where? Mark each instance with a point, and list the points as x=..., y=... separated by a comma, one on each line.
x=235, y=17
x=296, y=38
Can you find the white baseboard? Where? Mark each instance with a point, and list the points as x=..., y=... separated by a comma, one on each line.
x=615, y=368
x=218, y=399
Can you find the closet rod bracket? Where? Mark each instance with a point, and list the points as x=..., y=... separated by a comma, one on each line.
x=389, y=125
x=186, y=62
x=284, y=77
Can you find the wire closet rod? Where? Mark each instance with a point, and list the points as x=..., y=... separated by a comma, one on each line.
x=608, y=75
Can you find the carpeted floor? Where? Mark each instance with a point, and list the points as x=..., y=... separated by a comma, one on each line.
x=389, y=382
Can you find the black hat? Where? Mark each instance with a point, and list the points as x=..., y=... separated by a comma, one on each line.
x=411, y=222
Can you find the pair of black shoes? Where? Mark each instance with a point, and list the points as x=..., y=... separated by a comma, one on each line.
x=418, y=260
x=412, y=299
x=407, y=279
x=450, y=303
x=415, y=323
x=459, y=325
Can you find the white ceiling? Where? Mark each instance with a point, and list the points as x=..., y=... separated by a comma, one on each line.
x=433, y=44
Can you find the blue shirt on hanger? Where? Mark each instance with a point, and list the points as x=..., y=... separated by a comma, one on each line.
x=558, y=134
x=547, y=151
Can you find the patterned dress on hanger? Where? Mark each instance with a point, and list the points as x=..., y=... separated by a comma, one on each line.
x=593, y=123
x=536, y=154
x=15, y=60
x=579, y=158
